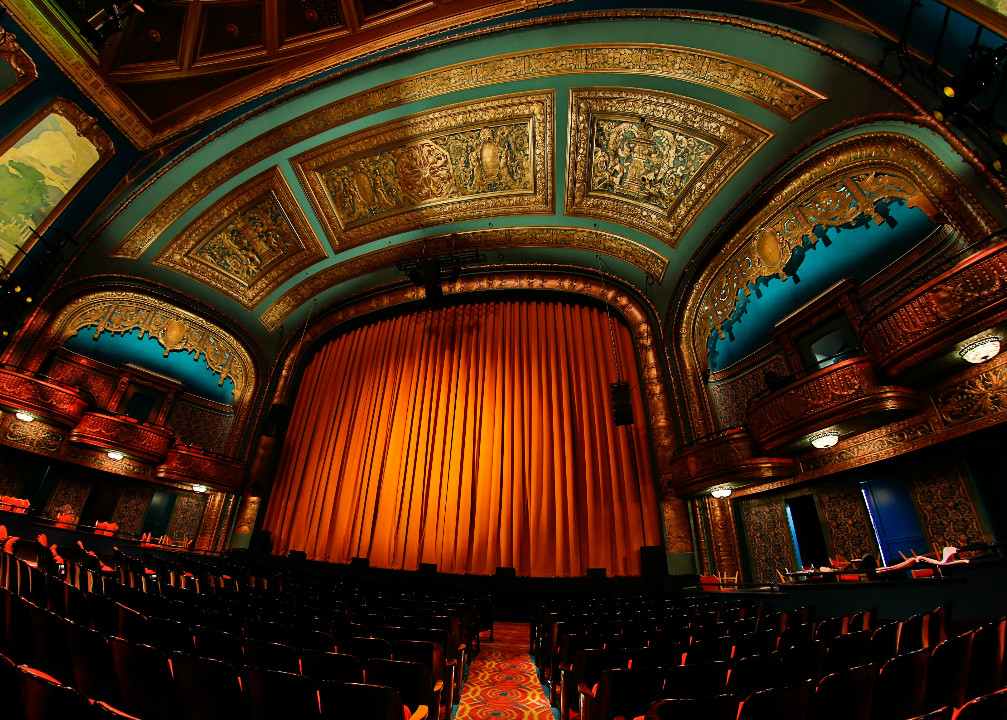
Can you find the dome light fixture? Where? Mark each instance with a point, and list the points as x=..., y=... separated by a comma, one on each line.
x=115, y=455
x=721, y=492
x=23, y=416
x=199, y=488
x=983, y=349
x=824, y=439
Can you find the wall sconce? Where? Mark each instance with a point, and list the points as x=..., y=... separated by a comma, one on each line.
x=115, y=455
x=983, y=349
x=825, y=439
x=199, y=488
x=23, y=416
x=721, y=492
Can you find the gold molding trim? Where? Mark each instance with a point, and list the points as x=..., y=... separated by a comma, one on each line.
x=21, y=62
x=630, y=251
x=623, y=58
x=651, y=160
x=481, y=159
x=248, y=243
x=121, y=312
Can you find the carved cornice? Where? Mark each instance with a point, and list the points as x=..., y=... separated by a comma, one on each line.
x=757, y=84
x=651, y=160
x=876, y=165
x=474, y=160
x=645, y=333
x=725, y=458
x=18, y=59
x=841, y=393
x=250, y=242
x=121, y=312
x=58, y=404
x=572, y=238
x=114, y=432
x=969, y=298
x=186, y=465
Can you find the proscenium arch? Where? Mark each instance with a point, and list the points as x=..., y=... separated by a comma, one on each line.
x=759, y=247
x=637, y=312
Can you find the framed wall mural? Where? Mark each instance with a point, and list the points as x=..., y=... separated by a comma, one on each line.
x=16, y=68
x=43, y=165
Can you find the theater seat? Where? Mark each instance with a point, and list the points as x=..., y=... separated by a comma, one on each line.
x=358, y=700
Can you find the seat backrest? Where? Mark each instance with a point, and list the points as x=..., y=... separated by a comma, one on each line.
x=207, y=689
x=986, y=666
x=364, y=648
x=721, y=707
x=752, y=674
x=900, y=690
x=358, y=700
x=43, y=697
x=948, y=674
x=695, y=681
x=270, y=694
x=988, y=707
x=146, y=688
x=625, y=692
x=413, y=680
x=271, y=656
x=791, y=703
x=844, y=695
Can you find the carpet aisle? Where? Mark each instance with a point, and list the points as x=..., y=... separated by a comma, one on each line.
x=502, y=683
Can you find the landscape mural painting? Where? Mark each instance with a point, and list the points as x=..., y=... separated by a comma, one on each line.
x=37, y=174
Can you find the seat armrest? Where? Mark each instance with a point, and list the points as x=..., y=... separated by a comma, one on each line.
x=439, y=686
x=420, y=713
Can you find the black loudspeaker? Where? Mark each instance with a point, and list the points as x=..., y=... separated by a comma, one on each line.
x=653, y=561
x=622, y=404
x=359, y=562
x=297, y=555
x=276, y=421
x=506, y=573
x=596, y=573
x=428, y=568
x=259, y=542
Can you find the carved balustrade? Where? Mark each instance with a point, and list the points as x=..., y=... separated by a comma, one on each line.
x=192, y=465
x=964, y=300
x=118, y=432
x=846, y=394
x=725, y=458
x=41, y=397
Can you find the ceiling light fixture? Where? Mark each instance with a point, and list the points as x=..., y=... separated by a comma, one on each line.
x=199, y=488
x=721, y=492
x=983, y=349
x=23, y=416
x=825, y=439
x=115, y=455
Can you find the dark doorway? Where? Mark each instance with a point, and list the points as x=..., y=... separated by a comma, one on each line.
x=807, y=529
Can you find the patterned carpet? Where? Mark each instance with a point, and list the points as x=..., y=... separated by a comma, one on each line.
x=502, y=684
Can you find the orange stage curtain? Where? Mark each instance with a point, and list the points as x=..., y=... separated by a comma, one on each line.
x=472, y=436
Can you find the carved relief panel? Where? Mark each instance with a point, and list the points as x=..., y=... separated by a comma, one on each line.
x=482, y=159
x=651, y=160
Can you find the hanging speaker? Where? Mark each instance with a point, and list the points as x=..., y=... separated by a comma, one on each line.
x=622, y=404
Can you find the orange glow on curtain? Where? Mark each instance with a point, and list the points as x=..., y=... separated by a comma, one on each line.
x=472, y=436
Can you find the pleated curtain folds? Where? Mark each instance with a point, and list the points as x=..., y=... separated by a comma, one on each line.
x=471, y=436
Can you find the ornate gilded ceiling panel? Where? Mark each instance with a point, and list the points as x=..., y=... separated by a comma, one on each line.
x=651, y=160
x=481, y=159
x=756, y=84
x=651, y=262
x=249, y=243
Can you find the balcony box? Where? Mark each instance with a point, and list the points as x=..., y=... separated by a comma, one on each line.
x=40, y=397
x=141, y=441
x=725, y=458
x=191, y=465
